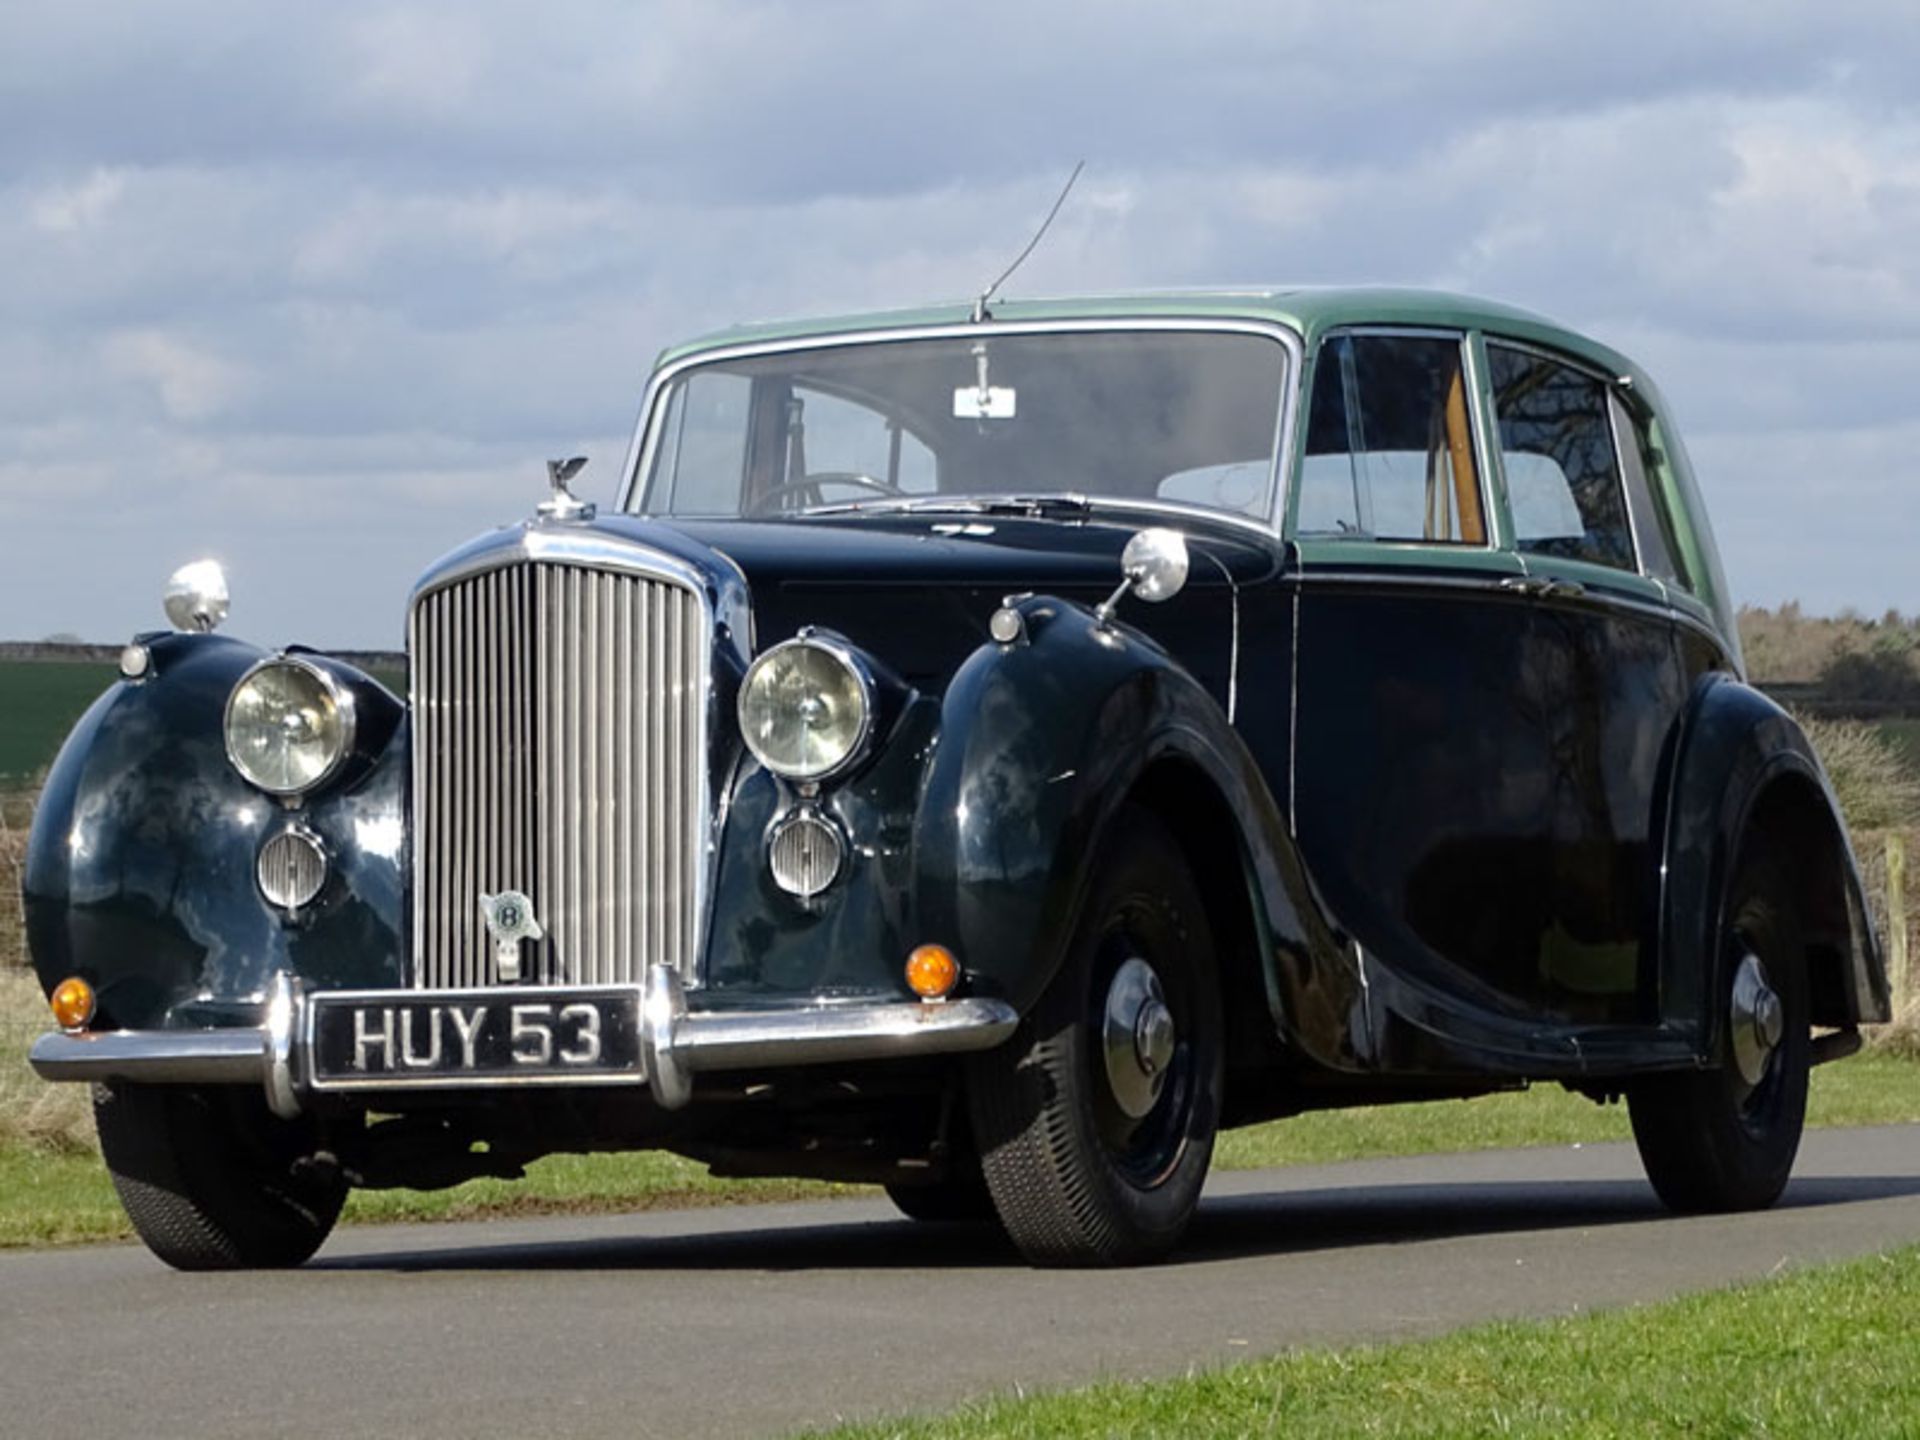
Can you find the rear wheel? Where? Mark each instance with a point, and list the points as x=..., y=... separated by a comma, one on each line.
x=212, y=1180
x=1725, y=1138
x=1096, y=1121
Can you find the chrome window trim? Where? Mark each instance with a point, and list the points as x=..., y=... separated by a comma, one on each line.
x=640, y=451
x=342, y=699
x=1626, y=493
x=538, y=543
x=1488, y=582
x=1607, y=382
x=1470, y=378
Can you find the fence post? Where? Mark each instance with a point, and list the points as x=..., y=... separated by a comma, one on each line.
x=1897, y=957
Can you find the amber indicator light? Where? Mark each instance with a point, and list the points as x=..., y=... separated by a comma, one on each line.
x=72, y=1003
x=932, y=972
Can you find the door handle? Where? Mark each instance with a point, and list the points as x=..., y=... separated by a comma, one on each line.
x=1540, y=587
x=1535, y=585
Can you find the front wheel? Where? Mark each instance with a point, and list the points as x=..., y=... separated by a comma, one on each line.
x=1096, y=1121
x=1725, y=1138
x=212, y=1180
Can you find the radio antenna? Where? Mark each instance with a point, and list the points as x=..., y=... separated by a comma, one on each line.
x=980, y=312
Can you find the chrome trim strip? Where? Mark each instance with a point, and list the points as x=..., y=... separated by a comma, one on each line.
x=640, y=451
x=1597, y=593
x=179, y=1057
x=570, y=545
x=842, y=1032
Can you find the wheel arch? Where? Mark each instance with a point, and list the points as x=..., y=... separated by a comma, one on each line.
x=1041, y=744
x=1186, y=799
x=1745, y=773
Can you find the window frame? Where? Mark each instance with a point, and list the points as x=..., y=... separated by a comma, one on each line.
x=1472, y=383
x=1609, y=384
x=1267, y=522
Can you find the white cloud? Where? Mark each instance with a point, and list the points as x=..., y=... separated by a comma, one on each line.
x=193, y=384
x=75, y=206
x=270, y=273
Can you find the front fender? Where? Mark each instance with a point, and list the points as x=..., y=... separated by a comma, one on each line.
x=140, y=868
x=1040, y=743
x=1739, y=754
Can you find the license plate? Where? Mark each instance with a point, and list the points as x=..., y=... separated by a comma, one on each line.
x=389, y=1039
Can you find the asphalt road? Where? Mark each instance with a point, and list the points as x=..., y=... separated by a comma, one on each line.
x=758, y=1320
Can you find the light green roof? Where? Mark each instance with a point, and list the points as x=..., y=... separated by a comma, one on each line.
x=1309, y=311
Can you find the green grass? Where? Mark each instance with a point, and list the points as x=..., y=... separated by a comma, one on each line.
x=1828, y=1352
x=39, y=701
x=52, y=1197
x=1904, y=734
x=1871, y=1088
x=56, y=1195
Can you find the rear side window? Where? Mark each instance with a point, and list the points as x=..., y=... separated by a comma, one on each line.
x=1389, y=451
x=1556, y=448
x=1647, y=488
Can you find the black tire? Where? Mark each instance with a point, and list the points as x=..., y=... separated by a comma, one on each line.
x=212, y=1180
x=1075, y=1178
x=1710, y=1139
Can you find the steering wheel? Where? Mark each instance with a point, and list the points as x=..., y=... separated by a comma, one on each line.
x=765, y=504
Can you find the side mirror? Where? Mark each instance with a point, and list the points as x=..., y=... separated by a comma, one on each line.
x=196, y=597
x=1154, y=564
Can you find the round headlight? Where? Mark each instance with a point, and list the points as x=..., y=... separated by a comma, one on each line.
x=804, y=709
x=289, y=724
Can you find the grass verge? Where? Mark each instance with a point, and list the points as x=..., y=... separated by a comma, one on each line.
x=1829, y=1352
x=56, y=1192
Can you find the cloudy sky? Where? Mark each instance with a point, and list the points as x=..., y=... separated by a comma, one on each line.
x=316, y=288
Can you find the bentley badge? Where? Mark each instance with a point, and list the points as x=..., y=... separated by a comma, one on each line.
x=509, y=917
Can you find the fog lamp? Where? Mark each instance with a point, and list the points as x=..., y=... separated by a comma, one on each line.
x=932, y=972
x=72, y=1003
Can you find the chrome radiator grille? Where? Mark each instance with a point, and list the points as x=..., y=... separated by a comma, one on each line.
x=558, y=750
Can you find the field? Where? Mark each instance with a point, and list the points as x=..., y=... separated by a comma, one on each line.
x=1904, y=734
x=39, y=701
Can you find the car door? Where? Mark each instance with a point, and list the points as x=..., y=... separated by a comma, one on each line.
x=1602, y=659
x=1422, y=793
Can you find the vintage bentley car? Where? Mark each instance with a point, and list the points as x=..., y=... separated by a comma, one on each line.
x=983, y=752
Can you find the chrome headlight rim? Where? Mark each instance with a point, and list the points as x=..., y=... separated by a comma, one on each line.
x=856, y=665
x=337, y=692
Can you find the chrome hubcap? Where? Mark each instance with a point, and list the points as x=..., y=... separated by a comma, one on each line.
x=1139, y=1038
x=1758, y=1020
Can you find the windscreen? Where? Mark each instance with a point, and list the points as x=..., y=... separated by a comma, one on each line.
x=1187, y=417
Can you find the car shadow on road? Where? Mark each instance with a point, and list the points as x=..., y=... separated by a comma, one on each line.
x=1227, y=1227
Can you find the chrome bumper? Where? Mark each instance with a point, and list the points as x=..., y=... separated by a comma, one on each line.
x=675, y=1043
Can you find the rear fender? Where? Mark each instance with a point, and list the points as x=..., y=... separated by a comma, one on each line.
x=1744, y=772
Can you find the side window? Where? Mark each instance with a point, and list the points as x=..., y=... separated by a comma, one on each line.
x=1645, y=468
x=1389, y=452
x=834, y=436
x=1556, y=447
x=702, y=446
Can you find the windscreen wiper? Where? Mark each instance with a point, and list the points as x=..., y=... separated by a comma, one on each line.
x=1044, y=507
